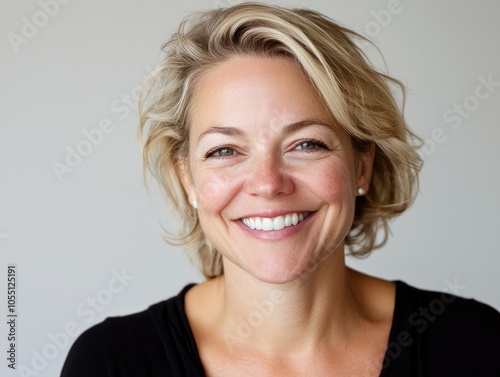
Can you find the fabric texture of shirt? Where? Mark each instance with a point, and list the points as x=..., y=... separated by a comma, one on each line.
x=432, y=334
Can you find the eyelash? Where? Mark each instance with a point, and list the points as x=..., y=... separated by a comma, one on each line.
x=318, y=143
x=212, y=152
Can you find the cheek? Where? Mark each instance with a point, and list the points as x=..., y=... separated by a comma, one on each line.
x=333, y=183
x=214, y=190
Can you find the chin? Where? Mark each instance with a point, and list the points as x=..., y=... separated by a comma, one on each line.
x=281, y=272
x=284, y=270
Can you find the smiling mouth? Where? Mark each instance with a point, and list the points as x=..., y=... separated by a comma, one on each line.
x=275, y=223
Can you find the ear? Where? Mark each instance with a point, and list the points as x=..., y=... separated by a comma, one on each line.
x=365, y=166
x=184, y=174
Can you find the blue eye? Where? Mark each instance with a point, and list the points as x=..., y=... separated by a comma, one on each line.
x=221, y=152
x=310, y=145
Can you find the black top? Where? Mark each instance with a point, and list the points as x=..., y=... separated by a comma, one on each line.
x=432, y=334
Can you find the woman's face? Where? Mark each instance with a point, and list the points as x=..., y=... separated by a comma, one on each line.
x=275, y=178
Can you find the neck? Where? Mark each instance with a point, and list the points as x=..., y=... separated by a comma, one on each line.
x=301, y=316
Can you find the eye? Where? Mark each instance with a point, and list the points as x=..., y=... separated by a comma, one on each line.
x=221, y=152
x=310, y=144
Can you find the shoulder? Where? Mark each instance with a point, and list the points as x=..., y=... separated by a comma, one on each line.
x=445, y=311
x=444, y=334
x=143, y=344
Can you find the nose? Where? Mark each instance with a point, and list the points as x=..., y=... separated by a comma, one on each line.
x=269, y=178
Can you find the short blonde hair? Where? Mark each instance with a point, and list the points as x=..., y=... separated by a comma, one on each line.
x=358, y=96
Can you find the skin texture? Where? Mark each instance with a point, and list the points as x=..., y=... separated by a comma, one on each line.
x=262, y=143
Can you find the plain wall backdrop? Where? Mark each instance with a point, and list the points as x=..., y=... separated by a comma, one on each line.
x=86, y=241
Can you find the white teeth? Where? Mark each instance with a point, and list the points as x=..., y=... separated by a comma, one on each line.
x=267, y=224
x=276, y=223
x=258, y=223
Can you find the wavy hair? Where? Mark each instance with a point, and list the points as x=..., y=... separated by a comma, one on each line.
x=359, y=96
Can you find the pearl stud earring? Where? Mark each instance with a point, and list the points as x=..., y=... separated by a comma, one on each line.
x=194, y=203
x=361, y=191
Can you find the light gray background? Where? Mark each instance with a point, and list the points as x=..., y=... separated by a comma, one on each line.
x=69, y=238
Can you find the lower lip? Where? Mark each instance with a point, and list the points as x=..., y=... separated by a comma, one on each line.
x=273, y=235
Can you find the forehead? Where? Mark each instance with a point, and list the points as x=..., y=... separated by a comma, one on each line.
x=258, y=91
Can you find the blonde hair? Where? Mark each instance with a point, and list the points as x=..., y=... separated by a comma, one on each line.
x=358, y=96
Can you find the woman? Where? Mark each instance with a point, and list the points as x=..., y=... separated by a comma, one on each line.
x=280, y=146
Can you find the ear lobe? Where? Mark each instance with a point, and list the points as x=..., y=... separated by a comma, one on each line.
x=365, y=166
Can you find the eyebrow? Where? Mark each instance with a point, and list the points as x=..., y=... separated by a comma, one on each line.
x=287, y=130
x=291, y=128
x=229, y=131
